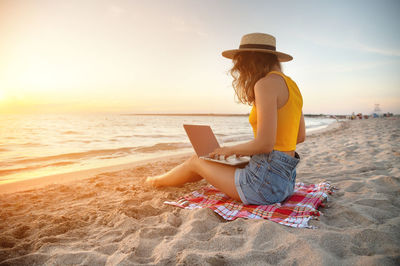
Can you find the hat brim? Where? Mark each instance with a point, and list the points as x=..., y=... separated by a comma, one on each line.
x=282, y=57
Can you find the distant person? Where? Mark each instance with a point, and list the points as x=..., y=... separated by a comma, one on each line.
x=278, y=125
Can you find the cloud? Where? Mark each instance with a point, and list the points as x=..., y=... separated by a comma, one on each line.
x=180, y=25
x=366, y=48
x=350, y=44
x=357, y=66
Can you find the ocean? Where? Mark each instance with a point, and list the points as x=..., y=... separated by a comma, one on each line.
x=39, y=145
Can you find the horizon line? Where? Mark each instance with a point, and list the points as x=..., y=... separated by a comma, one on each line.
x=211, y=114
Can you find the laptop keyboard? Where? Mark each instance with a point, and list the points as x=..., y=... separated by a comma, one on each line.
x=230, y=159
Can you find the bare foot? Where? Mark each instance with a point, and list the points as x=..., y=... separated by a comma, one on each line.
x=175, y=177
x=154, y=181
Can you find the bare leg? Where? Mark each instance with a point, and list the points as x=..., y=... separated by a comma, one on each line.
x=175, y=177
x=219, y=175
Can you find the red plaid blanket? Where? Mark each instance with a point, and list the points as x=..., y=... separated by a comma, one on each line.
x=296, y=211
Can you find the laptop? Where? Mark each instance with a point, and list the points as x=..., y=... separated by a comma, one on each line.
x=204, y=142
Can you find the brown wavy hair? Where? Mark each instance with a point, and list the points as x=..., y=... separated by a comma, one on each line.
x=248, y=68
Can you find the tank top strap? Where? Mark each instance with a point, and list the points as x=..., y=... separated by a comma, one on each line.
x=285, y=78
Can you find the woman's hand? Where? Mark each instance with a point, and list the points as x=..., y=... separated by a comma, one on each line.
x=225, y=151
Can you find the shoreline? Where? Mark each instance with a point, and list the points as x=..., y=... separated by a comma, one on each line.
x=63, y=178
x=331, y=127
x=113, y=218
x=68, y=177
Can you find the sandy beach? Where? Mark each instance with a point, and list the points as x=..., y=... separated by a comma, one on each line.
x=113, y=219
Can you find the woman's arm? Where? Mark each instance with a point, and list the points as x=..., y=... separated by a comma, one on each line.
x=266, y=94
x=301, y=135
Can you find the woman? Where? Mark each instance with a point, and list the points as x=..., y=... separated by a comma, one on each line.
x=278, y=125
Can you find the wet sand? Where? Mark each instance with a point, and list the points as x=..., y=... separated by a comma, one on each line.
x=111, y=218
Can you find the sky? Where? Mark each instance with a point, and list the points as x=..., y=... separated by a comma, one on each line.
x=165, y=56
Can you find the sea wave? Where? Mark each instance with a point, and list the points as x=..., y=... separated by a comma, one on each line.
x=4, y=172
x=151, y=136
x=70, y=132
x=104, y=153
x=237, y=138
x=313, y=123
x=163, y=147
x=30, y=144
x=74, y=155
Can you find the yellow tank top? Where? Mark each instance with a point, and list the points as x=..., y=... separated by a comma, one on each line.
x=288, y=117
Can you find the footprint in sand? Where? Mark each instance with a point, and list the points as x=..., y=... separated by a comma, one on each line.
x=370, y=241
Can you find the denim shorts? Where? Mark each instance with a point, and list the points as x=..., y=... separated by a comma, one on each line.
x=267, y=178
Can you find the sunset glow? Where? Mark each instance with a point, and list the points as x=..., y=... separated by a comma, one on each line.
x=141, y=57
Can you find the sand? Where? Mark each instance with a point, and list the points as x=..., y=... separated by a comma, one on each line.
x=113, y=219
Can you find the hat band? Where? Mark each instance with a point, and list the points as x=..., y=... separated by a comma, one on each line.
x=258, y=46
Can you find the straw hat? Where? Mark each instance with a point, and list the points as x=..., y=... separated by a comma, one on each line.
x=258, y=42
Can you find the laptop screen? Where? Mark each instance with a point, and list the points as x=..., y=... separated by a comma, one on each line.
x=202, y=138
